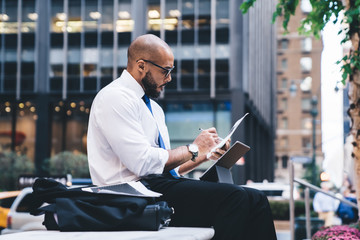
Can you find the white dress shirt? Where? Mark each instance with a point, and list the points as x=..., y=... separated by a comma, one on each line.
x=122, y=140
x=324, y=203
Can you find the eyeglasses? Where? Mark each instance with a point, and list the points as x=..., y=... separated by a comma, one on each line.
x=167, y=71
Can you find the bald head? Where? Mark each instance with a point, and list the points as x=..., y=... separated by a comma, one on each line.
x=148, y=47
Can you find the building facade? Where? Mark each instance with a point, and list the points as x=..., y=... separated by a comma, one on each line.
x=55, y=55
x=298, y=83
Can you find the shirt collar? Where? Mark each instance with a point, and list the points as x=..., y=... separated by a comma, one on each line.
x=127, y=80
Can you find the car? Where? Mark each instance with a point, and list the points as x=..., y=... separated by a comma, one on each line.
x=19, y=218
x=6, y=200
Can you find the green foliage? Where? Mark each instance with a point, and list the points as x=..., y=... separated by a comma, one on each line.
x=349, y=62
x=322, y=13
x=12, y=166
x=68, y=163
x=308, y=175
x=281, y=209
x=246, y=5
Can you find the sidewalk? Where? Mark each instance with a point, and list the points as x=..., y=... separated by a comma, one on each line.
x=282, y=230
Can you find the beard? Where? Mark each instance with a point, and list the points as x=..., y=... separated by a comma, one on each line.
x=150, y=87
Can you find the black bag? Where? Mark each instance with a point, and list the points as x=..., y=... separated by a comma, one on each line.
x=76, y=210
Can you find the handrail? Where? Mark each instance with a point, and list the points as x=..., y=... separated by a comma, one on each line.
x=307, y=205
x=331, y=194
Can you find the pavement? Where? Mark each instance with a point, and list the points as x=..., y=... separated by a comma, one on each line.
x=283, y=235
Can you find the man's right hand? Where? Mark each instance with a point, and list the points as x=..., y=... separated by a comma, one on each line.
x=205, y=141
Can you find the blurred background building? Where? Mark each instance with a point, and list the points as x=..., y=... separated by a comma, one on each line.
x=55, y=55
x=298, y=134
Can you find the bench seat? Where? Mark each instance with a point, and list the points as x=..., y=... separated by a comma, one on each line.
x=173, y=233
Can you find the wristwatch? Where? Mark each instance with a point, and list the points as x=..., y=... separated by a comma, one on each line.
x=194, y=150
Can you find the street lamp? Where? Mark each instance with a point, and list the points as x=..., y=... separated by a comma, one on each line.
x=314, y=113
x=306, y=86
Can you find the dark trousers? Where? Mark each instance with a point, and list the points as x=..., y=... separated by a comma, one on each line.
x=234, y=212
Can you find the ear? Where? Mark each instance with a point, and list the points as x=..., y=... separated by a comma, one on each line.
x=141, y=66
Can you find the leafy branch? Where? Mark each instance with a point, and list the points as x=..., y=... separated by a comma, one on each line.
x=349, y=63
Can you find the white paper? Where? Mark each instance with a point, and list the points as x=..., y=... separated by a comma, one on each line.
x=137, y=189
x=232, y=130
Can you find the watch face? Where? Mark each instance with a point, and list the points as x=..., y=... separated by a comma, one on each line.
x=193, y=148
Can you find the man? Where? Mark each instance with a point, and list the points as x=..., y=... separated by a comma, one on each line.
x=325, y=205
x=128, y=140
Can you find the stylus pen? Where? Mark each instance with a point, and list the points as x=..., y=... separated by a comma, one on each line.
x=219, y=138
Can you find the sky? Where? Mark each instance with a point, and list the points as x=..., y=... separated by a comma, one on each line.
x=332, y=104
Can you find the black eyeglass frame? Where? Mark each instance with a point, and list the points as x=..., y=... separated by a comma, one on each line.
x=168, y=70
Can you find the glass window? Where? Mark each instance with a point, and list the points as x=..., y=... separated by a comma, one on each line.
x=204, y=14
x=284, y=142
x=153, y=15
x=222, y=74
x=306, y=123
x=57, y=16
x=9, y=17
x=107, y=16
x=5, y=126
x=306, y=104
x=284, y=64
x=222, y=14
x=172, y=15
x=284, y=44
x=69, y=126
x=306, y=84
x=306, y=64
x=184, y=120
x=306, y=143
x=75, y=23
x=284, y=123
x=306, y=44
x=188, y=14
x=223, y=118
x=222, y=51
x=106, y=61
x=26, y=128
x=284, y=160
x=283, y=104
x=92, y=16
x=56, y=62
x=124, y=22
x=187, y=74
x=10, y=64
x=29, y=16
x=284, y=83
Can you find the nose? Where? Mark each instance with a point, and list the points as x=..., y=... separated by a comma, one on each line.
x=168, y=78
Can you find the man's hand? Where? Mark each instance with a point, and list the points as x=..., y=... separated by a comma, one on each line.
x=207, y=140
x=220, y=151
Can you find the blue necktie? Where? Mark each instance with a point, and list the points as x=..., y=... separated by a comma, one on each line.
x=160, y=139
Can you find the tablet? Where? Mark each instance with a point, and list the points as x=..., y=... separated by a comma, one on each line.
x=225, y=162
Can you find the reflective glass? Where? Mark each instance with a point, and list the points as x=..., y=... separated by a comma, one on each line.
x=57, y=16
x=29, y=16
x=124, y=22
x=8, y=17
x=75, y=23
x=107, y=16
x=92, y=16
x=153, y=15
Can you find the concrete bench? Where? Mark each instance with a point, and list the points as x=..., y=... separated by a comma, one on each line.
x=173, y=233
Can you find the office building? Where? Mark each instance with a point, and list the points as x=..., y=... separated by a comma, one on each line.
x=298, y=82
x=55, y=55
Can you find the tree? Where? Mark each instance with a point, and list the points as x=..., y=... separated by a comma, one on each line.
x=322, y=12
